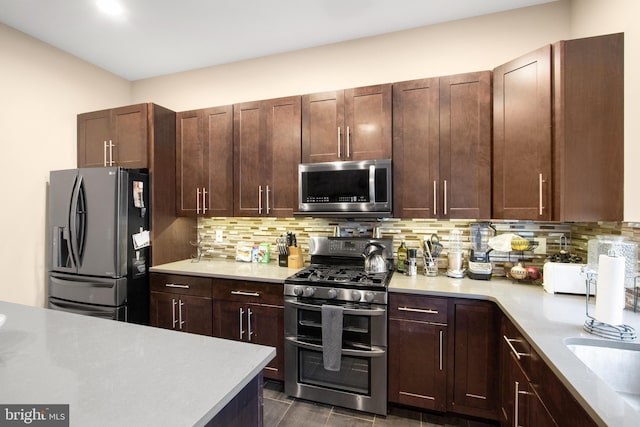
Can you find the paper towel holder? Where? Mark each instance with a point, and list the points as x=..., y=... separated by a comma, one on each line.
x=605, y=330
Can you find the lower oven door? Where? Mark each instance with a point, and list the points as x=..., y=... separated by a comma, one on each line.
x=361, y=382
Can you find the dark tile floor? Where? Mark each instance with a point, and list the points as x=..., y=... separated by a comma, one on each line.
x=283, y=411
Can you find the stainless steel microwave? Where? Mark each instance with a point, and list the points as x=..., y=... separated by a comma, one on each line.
x=353, y=188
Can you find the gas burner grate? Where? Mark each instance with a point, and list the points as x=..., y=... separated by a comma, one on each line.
x=355, y=276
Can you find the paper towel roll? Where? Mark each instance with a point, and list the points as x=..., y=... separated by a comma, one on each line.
x=610, y=294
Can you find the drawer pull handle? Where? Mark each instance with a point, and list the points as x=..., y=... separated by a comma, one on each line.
x=418, y=310
x=476, y=396
x=420, y=396
x=513, y=349
x=176, y=285
x=246, y=294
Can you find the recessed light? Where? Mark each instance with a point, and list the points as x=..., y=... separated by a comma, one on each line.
x=111, y=7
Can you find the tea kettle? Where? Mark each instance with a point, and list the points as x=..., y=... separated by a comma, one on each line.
x=374, y=262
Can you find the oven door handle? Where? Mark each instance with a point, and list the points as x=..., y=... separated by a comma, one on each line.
x=374, y=352
x=350, y=311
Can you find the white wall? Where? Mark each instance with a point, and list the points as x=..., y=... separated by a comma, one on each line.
x=41, y=91
x=461, y=46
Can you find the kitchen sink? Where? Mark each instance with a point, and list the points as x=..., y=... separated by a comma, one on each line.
x=617, y=363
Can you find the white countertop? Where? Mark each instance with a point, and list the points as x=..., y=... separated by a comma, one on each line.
x=545, y=319
x=120, y=374
x=226, y=269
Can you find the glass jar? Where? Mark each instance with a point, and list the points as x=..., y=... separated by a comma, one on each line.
x=613, y=246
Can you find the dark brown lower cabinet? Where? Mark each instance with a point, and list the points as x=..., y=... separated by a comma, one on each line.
x=252, y=312
x=417, y=351
x=181, y=303
x=473, y=354
x=531, y=395
x=520, y=404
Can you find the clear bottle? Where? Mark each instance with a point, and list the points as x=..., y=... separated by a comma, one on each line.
x=402, y=256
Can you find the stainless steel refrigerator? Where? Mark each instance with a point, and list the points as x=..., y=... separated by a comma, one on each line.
x=98, y=242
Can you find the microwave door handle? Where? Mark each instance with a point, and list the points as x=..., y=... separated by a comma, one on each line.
x=372, y=184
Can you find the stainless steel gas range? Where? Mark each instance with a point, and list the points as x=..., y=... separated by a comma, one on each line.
x=335, y=317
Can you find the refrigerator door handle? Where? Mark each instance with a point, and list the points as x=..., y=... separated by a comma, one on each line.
x=73, y=225
x=77, y=221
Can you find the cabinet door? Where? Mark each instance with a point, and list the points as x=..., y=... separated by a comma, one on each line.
x=474, y=349
x=588, y=152
x=323, y=127
x=130, y=136
x=282, y=156
x=514, y=389
x=162, y=310
x=537, y=413
x=368, y=120
x=417, y=369
x=195, y=315
x=230, y=320
x=465, y=146
x=250, y=151
x=182, y=313
x=218, y=161
x=266, y=326
x=94, y=134
x=416, y=135
x=522, y=137
x=190, y=162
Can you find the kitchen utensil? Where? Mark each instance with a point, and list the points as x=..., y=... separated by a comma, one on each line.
x=430, y=263
x=412, y=264
x=283, y=247
x=374, y=262
x=566, y=278
x=436, y=246
x=455, y=265
x=480, y=267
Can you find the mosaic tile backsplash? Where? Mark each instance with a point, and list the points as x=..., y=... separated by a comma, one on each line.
x=551, y=237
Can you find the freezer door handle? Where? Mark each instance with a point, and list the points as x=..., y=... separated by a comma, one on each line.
x=116, y=313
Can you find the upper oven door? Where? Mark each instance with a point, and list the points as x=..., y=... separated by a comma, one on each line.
x=345, y=187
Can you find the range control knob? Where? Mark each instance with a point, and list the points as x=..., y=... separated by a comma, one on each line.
x=355, y=295
x=368, y=296
x=308, y=291
x=332, y=293
x=297, y=291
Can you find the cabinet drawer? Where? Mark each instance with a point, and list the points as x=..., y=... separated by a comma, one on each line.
x=248, y=292
x=418, y=307
x=183, y=285
x=518, y=345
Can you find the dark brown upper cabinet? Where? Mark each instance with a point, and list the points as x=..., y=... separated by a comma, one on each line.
x=442, y=147
x=114, y=137
x=204, y=162
x=351, y=124
x=266, y=156
x=558, y=132
x=588, y=129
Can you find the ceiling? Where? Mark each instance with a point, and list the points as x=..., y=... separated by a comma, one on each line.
x=148, y=38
